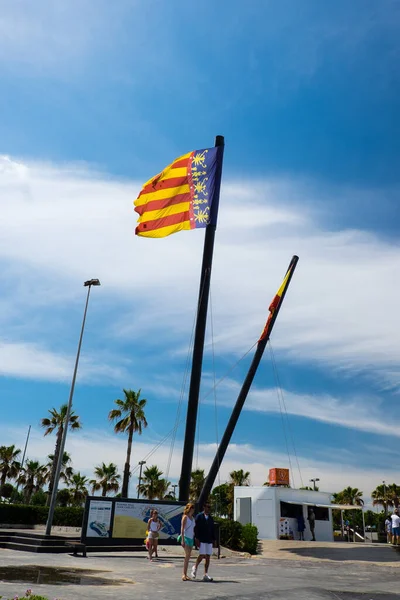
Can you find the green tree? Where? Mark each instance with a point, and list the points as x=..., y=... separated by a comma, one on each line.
x=239, y=478
x=32, y=477
x=63, y=497
x=107, y=479
x=56, y=422
x=386, y=495
x=309, y=488
x=9, y=465
x=7, y=491
x=129, y=418
x=221, y=501
x=152, y=485
x=197, y=479
x=163, y=488
x=351, y=496
x=78, y=488
x=39, y=498
x=66, y=467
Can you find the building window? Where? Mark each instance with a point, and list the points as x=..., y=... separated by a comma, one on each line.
x=291, y=511
x=321, y=513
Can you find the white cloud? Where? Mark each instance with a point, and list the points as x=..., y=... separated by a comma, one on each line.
x=30, y=361
x=364, y=413
x=73, y=223
x=90, y=448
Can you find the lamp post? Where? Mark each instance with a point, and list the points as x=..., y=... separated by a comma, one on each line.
x=174, y=486
x=313, y=481
x=88, y=284
x=141, y=463
x=384, y=497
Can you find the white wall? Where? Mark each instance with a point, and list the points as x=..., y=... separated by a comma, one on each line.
x=266, y=510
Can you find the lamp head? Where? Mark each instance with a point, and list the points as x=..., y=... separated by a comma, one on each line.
x=91, y=282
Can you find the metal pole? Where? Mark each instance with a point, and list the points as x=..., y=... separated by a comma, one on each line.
x=210, y=479
x=198, y=346
x=384, y=497
x=23, y=460
x=65, y=430
x=363, y=521
x=174, y=486
x=142, y=462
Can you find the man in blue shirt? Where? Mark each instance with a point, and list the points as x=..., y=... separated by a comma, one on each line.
x=204, y=533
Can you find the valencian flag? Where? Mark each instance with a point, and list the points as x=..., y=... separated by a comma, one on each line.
x=181, y=196
x=275, y=304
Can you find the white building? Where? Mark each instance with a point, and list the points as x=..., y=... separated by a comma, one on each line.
x=274, y=511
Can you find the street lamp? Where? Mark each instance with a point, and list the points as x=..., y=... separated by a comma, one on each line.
x=313, y=481
x=141, y=463
x=174, y=486
x=384, y=497
x=88, y=284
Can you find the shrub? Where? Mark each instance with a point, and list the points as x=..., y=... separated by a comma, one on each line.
x=236, y=536
x=39, y=498
x=28, y=594
x=22, y=514
x=6, y=490
x=230, y=533
x=249, y=538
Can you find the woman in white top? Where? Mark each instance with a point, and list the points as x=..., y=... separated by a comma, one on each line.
x=153, y=527
x=187, y=537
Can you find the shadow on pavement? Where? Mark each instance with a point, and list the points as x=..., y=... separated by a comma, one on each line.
x=356, y=552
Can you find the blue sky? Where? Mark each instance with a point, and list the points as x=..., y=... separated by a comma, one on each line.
x=94, y=100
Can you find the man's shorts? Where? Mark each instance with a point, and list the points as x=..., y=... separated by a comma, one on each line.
x=396, y=531
x=205, y=548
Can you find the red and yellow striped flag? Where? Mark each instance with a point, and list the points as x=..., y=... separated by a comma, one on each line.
x=180, y=197
x=274, y=305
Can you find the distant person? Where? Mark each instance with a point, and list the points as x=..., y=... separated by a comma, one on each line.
x=153, y=526
x=204, y=533
x=388, y=529
x=311, y=521
x=395, y=526
x=301, y=525
x=187, y=537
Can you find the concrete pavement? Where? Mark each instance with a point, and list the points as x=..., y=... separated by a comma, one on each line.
x=285, y=570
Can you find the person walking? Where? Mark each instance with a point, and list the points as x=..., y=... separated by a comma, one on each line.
x=311, y=521
x=187, y=537
x=204, y=533
x=395, y=526
x=301, y=525
x=388, y=529
x=153, y=527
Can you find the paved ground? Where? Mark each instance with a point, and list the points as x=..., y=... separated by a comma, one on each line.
x=285, y=570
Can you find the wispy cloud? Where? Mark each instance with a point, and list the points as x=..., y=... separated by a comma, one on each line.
x=31, y=361
x=90, y=448
x=341, y=309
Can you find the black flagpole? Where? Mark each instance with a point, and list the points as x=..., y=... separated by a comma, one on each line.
x=198, y=347
x=210, y=479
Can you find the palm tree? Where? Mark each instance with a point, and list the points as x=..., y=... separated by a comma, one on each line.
x=130, y=419
x=152, y=485
x=32, y=477
x=56, y=422
x=386, y=495
x=196, y=483
x=337, y=498
x=163, y=488
x=351, y=496
x=78, y=490
x=66, y=468
x=107, y=479
x=240, y=477
x=9, y=465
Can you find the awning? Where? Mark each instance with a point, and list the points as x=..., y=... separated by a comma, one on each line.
x=339, y=506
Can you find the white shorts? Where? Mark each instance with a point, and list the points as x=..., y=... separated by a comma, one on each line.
x=205, y=548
